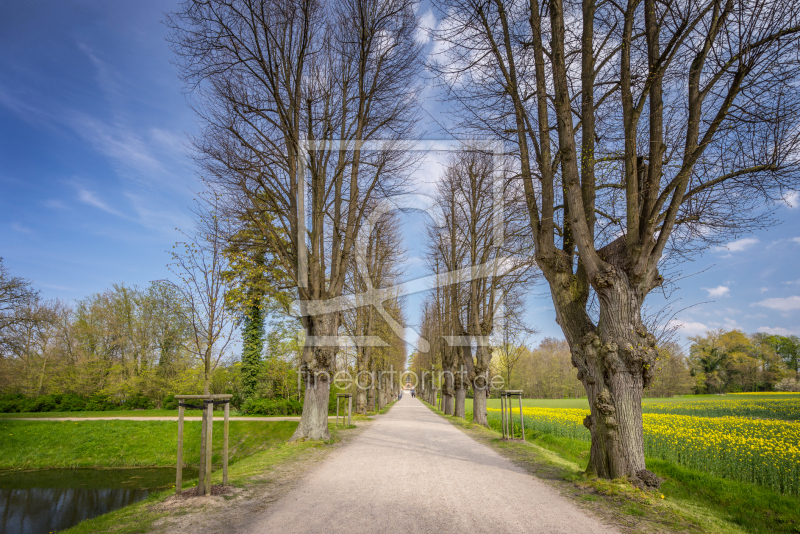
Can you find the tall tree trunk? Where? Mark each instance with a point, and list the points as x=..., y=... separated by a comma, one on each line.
x=459, y=410
x=317, y=368
x=361, y=387
x=479, y=391
x=314, y=421
x=615, y=363
x=447, y=393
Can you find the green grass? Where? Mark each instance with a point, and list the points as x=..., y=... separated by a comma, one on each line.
x=41, y=444
x=120, y=413
x=140, y=517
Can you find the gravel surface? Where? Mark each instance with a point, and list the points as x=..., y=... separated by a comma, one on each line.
x=412, y=471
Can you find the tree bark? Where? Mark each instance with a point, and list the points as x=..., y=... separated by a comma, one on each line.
x=447, y=393
x=459, y=410
x=615, y=363
x=317, y=368
x=479, y=393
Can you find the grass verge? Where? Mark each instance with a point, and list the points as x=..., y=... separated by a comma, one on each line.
x=149, y=514
x=693, y=501
x=122, y=413
x=119, y=443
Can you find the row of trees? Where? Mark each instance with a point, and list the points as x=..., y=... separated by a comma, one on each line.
x=123, y=342
x=633, y=135
x=734, y=361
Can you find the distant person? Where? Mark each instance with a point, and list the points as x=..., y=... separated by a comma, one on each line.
x=413, y=393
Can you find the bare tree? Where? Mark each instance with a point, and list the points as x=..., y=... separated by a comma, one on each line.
x=201, y=266
x=278, y=82
x=475, y=239
x=382, y=255
x=643, y=131
x=512, y=336
x=16, y=295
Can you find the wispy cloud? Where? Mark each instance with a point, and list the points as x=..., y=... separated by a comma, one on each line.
x=719, y=291
x=21, y=229
x=778, y=330
x=739, y=245
x=689, y=327
x=763, y=290
x=427, y=22
x=91, y=199
x=117, y=142
x=781, y=304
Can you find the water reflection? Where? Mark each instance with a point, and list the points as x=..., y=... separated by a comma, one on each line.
x=48, y=500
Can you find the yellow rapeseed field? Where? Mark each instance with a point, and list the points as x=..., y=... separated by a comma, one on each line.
x=743, y=407
x=765, y=452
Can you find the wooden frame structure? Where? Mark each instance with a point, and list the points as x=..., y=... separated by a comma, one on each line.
x=204, y=482
x=507, y=414
x=349, y=397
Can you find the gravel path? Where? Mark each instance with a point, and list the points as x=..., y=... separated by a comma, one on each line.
x=412, y=471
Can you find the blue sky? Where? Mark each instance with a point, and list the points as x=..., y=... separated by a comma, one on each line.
x=94, y=177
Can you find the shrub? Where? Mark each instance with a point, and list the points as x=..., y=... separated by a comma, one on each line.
x=788, y=384
x=137, y=402
x=170, y=403
x=272, y=407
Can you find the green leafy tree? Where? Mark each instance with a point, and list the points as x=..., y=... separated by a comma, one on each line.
x=788, y=348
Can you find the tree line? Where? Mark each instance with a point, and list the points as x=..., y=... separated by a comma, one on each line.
x=723, y=362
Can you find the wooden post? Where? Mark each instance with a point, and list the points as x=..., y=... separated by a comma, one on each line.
x=225, y=446
x=201, y=478
x=510, y=418
x=210, y=418
x=349, y=410
x=206, y=441
x=503, y=413
x=179, y=471
x=337, y=411
x=521, y=419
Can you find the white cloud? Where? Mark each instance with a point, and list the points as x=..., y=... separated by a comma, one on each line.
x=794, y=282
x=689, y=327
x=739, y=245
x=796, y=239
x=756, y=316
x=719, y=291
x=427, y=22
x=781, y=304
x=792, y=199
x=763, y=290
x=778, y=330
x=88, y=197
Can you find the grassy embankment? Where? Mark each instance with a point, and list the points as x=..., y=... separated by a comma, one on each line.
x=722, y=504
x=255, y=448
x=42, y=444
x=120, y=413
x=142, y=516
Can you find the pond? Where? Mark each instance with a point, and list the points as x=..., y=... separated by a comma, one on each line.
x=48, y=500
